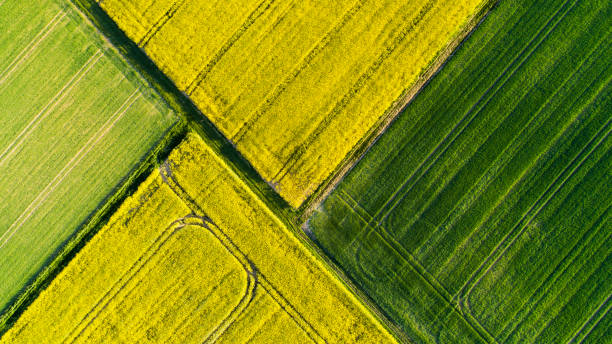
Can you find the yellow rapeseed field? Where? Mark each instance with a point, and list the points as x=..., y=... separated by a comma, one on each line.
x=294, y=84
x=194, y=256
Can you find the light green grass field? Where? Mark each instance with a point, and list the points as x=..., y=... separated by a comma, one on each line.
x=73, y=125
x=483, y=213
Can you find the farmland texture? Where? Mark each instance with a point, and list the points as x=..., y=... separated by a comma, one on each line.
x=74, y=123
x=295, y=85
x=195, y=256
x=483, y=213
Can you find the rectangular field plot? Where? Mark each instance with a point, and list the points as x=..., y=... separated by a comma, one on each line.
x=483, y=213
x=72, y=128
x=295, y=85
x=195, y=257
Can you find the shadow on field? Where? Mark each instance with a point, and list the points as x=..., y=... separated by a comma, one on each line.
x=90, y=226
x=182, y=105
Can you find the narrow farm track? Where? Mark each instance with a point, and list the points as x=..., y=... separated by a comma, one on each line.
x=160, y=23
x=58, y=179
x=256, y=43
x=253, y=16
x=286, y=306
x=600, y=315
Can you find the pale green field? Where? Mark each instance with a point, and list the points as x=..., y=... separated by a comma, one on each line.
x=73, y=126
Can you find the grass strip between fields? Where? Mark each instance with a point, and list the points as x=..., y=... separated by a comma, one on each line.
x=47, y=29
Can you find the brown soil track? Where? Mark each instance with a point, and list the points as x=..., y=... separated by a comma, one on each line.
x=362, y=147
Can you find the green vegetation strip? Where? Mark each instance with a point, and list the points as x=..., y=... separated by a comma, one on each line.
x=483, y=213
x=81, y=127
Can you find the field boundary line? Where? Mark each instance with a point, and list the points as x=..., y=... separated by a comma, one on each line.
x=464, y=122
x=259, y=11
x=514, y=145
x=181, y=193
x=31, y=47
x=484, y=101
x=513, y=235
x=160, y=22
x=422, y=272
x=390, y=114
x=416, y=128
x=125, y=278
x=296, y=70
x=48, y=108
x=401, y=104
x=76, y=159
x=357, y=86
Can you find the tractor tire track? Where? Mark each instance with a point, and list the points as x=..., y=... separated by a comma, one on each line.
x=31, y=47
x=464, y=122
x=298, y=318
x=259, y=11
x=48, y=109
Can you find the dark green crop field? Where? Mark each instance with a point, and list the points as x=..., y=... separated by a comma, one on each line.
x=483, y=213
x=75, y=123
